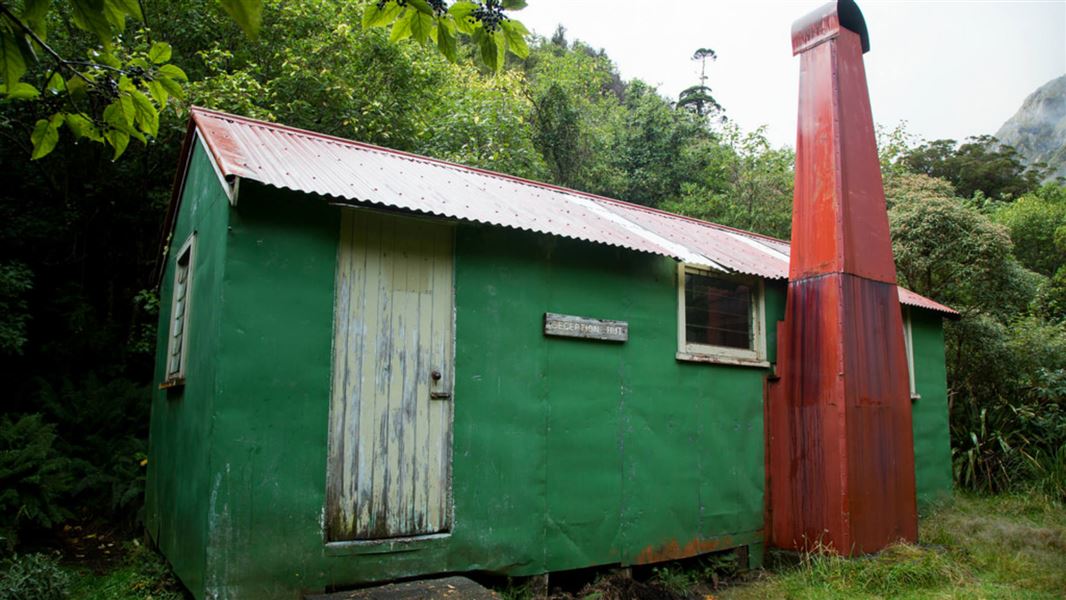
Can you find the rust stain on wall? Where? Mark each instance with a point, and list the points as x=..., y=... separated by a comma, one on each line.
x=673, y=550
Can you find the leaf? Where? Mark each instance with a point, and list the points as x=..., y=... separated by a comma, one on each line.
x=401, y=29
x=421, y=6
x=76, y=86
x=172, y=87
x=22, y=91
x=130, y=7
x=147, y=116
x=119, y=140
x=34, y=14
x=81, y=127
x=160, y=53
x=247, y=13
x=158, y=92
x=380, y=17
x=421, y=27
x=489, y=51
x=108, y=59
x=115, y=116
x=446, y=41
x=514, y=4
x=115, y=14
x=128, y=110
x=45, y=136
x=461, y=11
x=515, y=34
x=174, y=72
x=89, y=15
x=12, y=64
x=56, y=84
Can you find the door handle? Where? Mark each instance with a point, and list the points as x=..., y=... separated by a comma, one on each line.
x=436, y=376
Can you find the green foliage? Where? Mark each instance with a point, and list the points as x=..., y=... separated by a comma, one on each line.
x=247, y=13
x=33, y=577
x=698, y=97
x=951, y=252
x=492, y=132
x=432, y=22
x=747, y=184
x=1033, y=221
x=981, y=164
x=557, y=133
x=16, y=280
x=34, y=476
x=1006, y=366
x=114, y=95
x=656, y=147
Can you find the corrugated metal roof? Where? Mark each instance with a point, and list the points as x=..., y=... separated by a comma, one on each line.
x=354, y=172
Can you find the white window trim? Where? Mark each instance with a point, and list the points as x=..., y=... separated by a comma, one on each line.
x=723, y=354
x=908, y=345
x=177, y=379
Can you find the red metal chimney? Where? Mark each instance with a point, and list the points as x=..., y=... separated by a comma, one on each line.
x=840, y=448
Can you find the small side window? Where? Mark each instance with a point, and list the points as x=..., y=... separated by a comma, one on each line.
x=908, y=344
x=720, y=318
x=179, y=315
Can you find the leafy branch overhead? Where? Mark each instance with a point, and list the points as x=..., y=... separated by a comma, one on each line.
x=433, y=21
x=111, y=95
x=118, y=89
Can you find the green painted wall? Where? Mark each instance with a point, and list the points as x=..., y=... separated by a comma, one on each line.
x=932, y=438
x=567, y=453
x=181, y=424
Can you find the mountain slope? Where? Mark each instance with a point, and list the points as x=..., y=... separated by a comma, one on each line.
x=1038, y=129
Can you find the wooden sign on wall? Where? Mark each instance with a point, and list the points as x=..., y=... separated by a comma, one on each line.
x=583, y=327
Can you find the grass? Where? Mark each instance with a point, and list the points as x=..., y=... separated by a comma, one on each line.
x=1007, y=546
x=142, y=575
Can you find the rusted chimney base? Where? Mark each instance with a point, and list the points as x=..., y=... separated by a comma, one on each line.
x=841, y=449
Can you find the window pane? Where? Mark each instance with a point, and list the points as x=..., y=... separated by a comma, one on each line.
x=717, y=312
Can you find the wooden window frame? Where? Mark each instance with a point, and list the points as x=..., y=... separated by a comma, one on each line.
x=908, y=346
x=176, y=379
x=755, y=357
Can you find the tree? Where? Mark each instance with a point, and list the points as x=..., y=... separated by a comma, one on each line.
x=119, y=91
x=949, y=251
x=433, y=21
x=1006, y=366
x=115, y=94
x=698, y=97
x=654, y=148
x=557, y=133
x=1033, y=222
x=981, y=164
x=746, y=184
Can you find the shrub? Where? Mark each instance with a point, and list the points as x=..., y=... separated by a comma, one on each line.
x=34, y=577
x=34, y=477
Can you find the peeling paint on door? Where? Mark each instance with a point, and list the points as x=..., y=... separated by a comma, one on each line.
x=389, y=465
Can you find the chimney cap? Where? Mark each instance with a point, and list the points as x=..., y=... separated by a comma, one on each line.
x=825, y=22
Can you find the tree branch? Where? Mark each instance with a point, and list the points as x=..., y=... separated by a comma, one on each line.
x=36, y=38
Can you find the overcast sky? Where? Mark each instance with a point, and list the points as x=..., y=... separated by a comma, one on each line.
x=950, y=69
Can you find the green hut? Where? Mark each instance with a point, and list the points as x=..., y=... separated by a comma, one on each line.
x=374, y=365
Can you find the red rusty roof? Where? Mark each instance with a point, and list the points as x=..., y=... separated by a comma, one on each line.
x=357, y=173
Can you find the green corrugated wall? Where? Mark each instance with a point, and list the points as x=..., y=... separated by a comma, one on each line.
x=567, y=453
x=932, y=438
x=179, y=474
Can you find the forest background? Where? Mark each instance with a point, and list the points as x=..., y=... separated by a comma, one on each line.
x=973, y=226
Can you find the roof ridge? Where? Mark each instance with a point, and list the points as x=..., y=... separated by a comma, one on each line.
x=194, y=110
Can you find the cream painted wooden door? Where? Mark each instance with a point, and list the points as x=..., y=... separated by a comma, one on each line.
x=389, y=471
